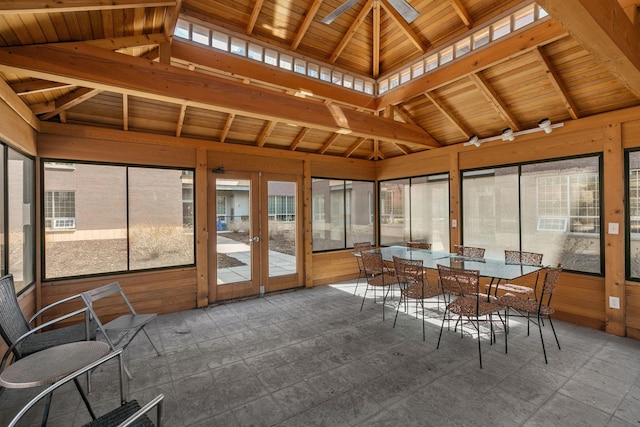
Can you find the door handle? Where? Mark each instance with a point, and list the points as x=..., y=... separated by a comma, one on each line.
x=255, y=239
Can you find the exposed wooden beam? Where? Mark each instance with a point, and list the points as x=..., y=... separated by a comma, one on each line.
x=376, y=40
x=557, y=83
x=353, y=147
x=43, y=107
x=329, y=143
x=266, y=131
x=130, y=41
x=164, y=50
x=462, y=12
x=539, y=34
x=25, y=6
x=406, y=29
x=230, y=63
x=308, y=19
x=353, y=29
x=171, y=19
x=254, y=16
x=102, y=69
x=603, y=29
x=448, y=114
x=16, y=104
x=36, y=86
x=70, y=100
x=494, y=99
x=299, y=138
x=226, y=127
x=125, y=111
x=180, y=123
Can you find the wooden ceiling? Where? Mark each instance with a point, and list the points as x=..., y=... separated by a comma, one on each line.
x=117, y=64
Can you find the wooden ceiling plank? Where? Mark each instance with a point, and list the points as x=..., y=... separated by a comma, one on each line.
x=353, y=29
x=125, y=111
x=303, y=132
x=306, y=23
x=539, y=34
x=353, y=147
x=406, y=28
x=494, y=99
x=329, y=143
x=116, y=43
x=462, y=12
x=226, y=127
x=36, y=86
x=254, y=16
x=70, y=100
x=376, y=41
x=180, y=124
x=16, y=104
x=557, y=83
x=27, y=6
x=448, y=114
x=103, y=69
x=266, y=131
x=604, y=30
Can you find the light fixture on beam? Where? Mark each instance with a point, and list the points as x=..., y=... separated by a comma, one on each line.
x=473, y=141
x=545, y=125
x=343, y=131
x=509, y=135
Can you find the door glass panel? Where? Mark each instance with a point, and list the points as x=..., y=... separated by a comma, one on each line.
x=233, y=225
x=281, y=201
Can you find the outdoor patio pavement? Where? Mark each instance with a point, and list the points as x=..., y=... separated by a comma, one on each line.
x=312, y=358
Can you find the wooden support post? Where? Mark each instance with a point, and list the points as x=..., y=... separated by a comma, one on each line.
x=307, y=215
x=454, y=200
x=202, y=221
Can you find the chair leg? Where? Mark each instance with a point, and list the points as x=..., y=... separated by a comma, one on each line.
x=397, y=310
x=84, y=399
x=479, y=346
x=152, y=344
x=544, y=351
x=444, y=319
x=423, y=332
x=554, y=332
x=364, y=296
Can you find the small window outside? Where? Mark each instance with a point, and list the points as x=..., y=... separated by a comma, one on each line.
x=313, y=70
x=501, y=28
x=271, y=57
x=394, y=81
x=383, y=86
x=200, y=34
x=348, y=81
x=481, y=38
x=220, y=41
x=405, y=75
x=238, y=47
x=368, y=88
x=182, y=29
x=336, y=78
x=463, y=47
x=432, y=62
x=417, y=69
x=325, y=74
x=300, y=66
x=523, y=17
x=286, y=62
x=446, y=55
x=255, y=52
x=358, y=84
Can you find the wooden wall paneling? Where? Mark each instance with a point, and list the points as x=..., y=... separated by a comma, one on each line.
x=632, y=311
x=342, y=168
x=424, y=163
x=580, y=299
x=246, y=162
x=16, y=132
x=631, y=134
x=331, y=267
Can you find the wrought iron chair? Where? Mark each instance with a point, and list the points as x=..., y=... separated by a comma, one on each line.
x=419, y=245
x=129, y=413
x=540, y=309
x=469, y=303
x=357, y=250
x=120, y=331
x=520, y=258
x=413, y=285
x=378, y=276
x=469, y=251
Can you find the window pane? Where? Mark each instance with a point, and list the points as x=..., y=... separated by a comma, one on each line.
x=394, y=204
x=490, y=210
x=634, y=215
x=561, y=215
x=98, y=242
x=21, y=220
x=430, y=211
x=282, y=227
x=328, y=210
x=360, y=211
x=158, y=234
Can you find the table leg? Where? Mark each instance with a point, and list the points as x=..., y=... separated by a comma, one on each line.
x=47, y=406
x=84, y=398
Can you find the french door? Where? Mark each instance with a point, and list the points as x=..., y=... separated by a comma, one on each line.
x=258, y=223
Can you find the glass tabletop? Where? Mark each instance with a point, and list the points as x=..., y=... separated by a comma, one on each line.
x=410, y=253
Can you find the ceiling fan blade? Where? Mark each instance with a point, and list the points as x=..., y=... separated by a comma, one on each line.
x=339, y=11
x=405, y=10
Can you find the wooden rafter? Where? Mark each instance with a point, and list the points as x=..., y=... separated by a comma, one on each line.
x=125, y=111
x=181, y=116
x=462, y=12
x=448, y=114
x=16, y=104
x=129, y=41
x=36, y=86
x=26, y=6
x=303, y=132
x=353, y=29
x=376, y=40
x=70, y=100
x=403, y=148
x=102, y=69
x=353, y=147
x=494, y=99
x=171, y=19
x=266, y=131
x=43, y=107
x=406, y=29
x=226, y=127
x=254, y=16
x=557, y=83
x=329, y=143
x=308, y=19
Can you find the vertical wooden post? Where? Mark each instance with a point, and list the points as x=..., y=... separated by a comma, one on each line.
x=614, y=248
x=307, y=239
x=202, y=222
x=455, y=189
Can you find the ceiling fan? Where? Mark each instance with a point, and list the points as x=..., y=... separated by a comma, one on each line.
x=401, y=6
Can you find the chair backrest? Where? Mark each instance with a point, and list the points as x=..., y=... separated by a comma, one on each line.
x=419, y=245
x=409, y=270
x=469, y=251
x=551, y=280
x=523, y=258
x=12, y=322
x=372, y=263
x=459, y=281
x=362, y=246
x=96, y=294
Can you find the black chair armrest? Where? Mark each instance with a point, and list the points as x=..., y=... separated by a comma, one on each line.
x=55, y=304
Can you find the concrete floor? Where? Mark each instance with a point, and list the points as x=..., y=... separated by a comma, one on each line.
x=312, y=358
